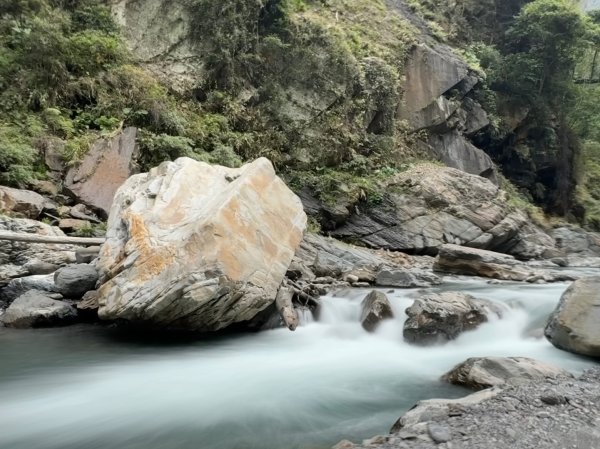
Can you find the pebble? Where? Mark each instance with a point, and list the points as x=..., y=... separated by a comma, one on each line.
x=439, y=433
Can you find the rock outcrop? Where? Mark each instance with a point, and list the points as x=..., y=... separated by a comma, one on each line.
x=429, y=206
x=376, y=308
x=574, y=325
x=198, y=247
x=406, y=278
x=439, y=317
x=485, y=372
x=35, y=309
x=105, y=167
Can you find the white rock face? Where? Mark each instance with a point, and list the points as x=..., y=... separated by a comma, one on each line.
x=198, y=247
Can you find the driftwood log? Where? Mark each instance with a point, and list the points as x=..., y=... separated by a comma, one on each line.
x=36, y=238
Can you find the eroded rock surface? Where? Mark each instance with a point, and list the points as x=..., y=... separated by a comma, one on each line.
x=198, y=247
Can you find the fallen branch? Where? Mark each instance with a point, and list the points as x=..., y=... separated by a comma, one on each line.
x=51, y=239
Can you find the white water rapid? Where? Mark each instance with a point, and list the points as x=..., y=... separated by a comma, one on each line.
x=86, y=387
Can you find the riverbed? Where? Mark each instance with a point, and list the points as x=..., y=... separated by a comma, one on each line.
x=93, y=387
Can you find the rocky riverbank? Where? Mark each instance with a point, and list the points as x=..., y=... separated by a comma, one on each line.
x=554, y=413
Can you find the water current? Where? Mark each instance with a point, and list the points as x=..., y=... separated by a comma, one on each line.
x=92, y=387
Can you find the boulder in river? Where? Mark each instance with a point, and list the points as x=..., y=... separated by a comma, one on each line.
x=35, y=309
x=439, y=317
x=406, y=278
x=484, y=372
x=575, y=323
x=375, y=309
x=16, y=287
x=197, y=247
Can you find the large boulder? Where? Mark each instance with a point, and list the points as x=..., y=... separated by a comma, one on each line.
x=574, y=240
x=439, y=317
x=376, y=308
x=35, y=309
x=429, y=206
x=74, y=281
x=574, y=324
x=105, y=167
x=24, y=203
x=484, y=372
x=198, y=247
x=22, y=258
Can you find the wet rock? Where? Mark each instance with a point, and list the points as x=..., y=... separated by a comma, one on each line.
x=573, y=326
x=235, y=236
x=484, y=372
x=73, y=281
x=375, y=309
x=24, y=203
x=34, y=309
x=477, y=262
x=103, y=170
x=439, y=317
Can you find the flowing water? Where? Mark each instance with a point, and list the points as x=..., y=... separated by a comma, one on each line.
x=88, y=387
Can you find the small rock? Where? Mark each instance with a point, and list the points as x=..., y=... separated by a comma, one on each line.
x=73, y=224
x=552, y=398
x=438, y=433
x=351, y=278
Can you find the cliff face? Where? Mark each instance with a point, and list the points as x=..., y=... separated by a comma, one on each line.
x=361, y=82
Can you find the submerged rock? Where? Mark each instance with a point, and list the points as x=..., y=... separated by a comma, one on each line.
x=484, y=372
x=575, y=323
x=375, y=309
x=198, y=247
x=439, y=317
x=35, y=309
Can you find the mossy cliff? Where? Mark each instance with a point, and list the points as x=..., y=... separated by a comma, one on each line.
x=341, y=95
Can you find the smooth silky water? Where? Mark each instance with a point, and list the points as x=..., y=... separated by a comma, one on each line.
x=88, y=387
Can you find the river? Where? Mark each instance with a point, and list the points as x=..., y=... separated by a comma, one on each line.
x=92, y=387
